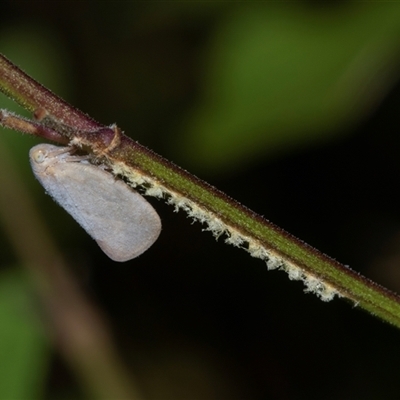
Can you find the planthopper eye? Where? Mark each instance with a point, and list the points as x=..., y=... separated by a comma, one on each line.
x=39, y=156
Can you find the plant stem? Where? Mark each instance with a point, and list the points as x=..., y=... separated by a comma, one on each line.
x=223, y=215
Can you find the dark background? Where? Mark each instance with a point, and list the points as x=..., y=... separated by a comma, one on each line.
x=290, y=108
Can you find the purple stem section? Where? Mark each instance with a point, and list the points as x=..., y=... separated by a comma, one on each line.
x=33, y=96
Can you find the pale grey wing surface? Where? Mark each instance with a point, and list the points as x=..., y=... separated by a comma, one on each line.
x=122, y=222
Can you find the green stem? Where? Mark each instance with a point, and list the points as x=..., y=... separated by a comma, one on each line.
x=224, y=216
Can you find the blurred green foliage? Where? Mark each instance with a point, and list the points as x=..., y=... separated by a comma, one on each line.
x=24, y=352
x=282, y=77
